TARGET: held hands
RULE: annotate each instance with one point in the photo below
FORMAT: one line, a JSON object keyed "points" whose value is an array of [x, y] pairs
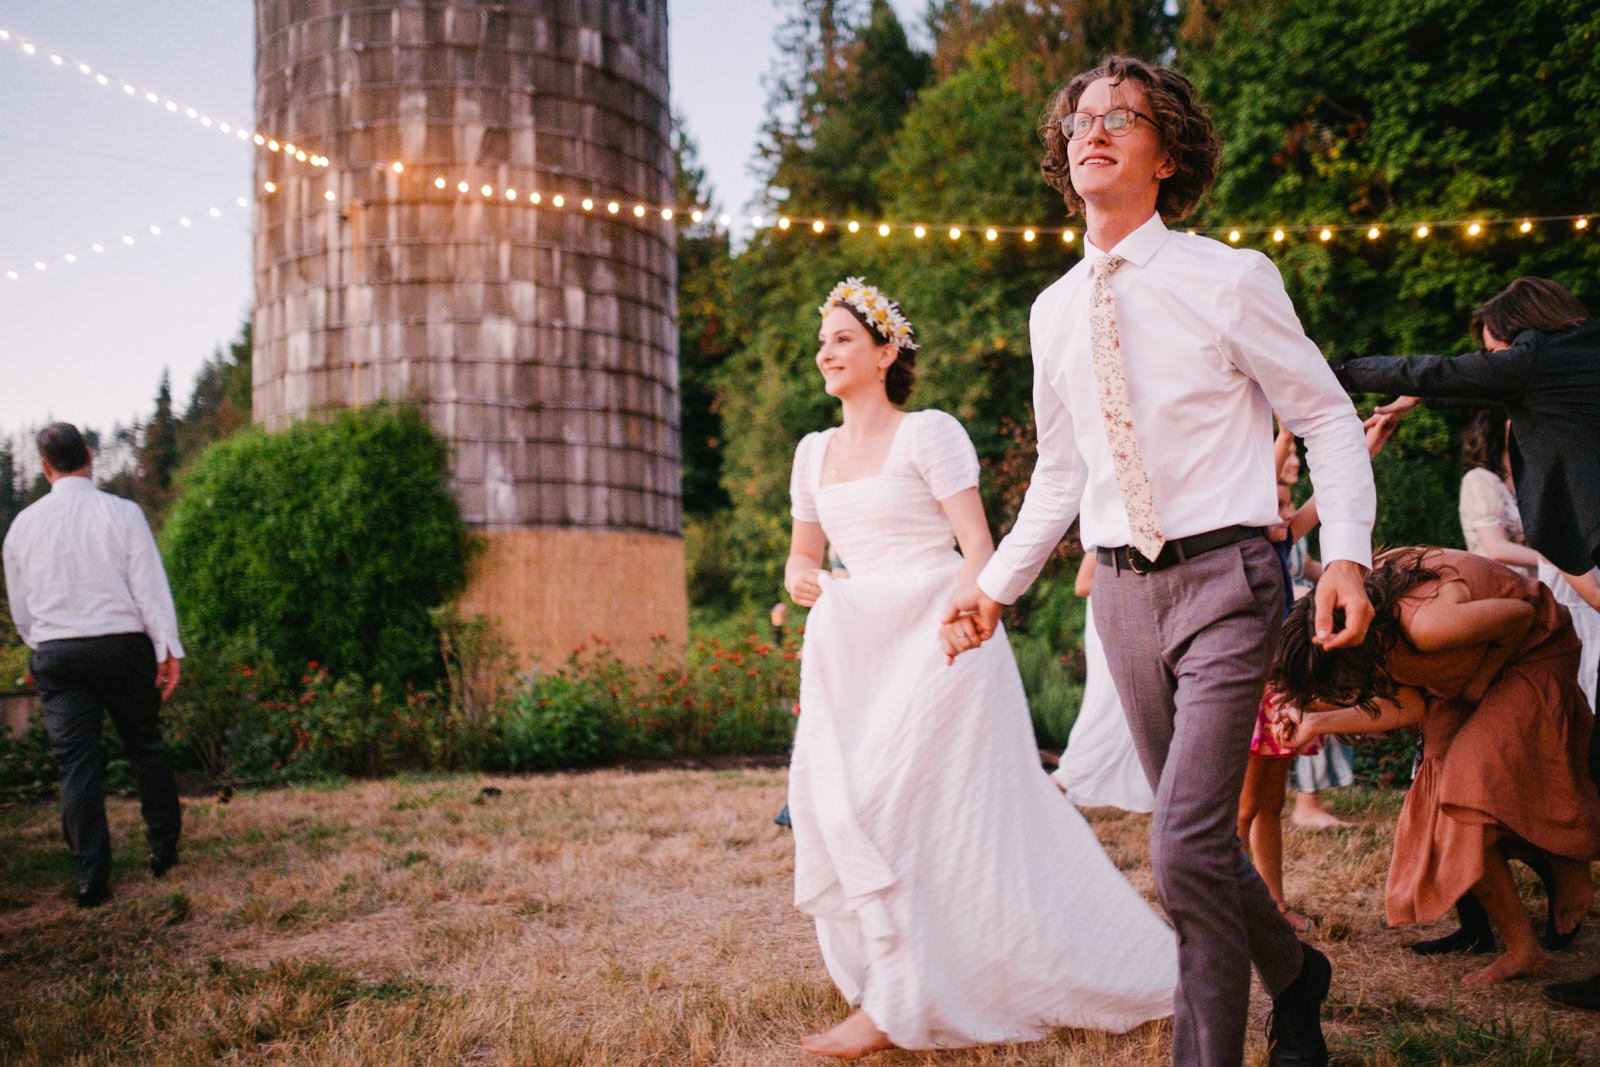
{"points": [[1398, 406], [167, 672], [1380, 426], [972, 620], [1293, 728], [1341, 600]]}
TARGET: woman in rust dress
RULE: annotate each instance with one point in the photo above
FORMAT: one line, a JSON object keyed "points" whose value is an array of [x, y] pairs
{"points": [[1486, 661]]}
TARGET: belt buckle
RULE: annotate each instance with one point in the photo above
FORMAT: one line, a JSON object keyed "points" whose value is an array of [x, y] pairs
{"points": [[1134, 558]]}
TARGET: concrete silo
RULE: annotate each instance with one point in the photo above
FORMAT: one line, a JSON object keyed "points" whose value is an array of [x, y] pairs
{"points": [[536, 333]]}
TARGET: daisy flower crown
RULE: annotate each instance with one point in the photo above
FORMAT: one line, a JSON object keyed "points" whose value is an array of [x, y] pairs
{"points": [[884, 314]]}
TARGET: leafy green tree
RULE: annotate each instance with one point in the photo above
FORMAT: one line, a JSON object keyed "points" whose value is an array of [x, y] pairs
{"points": [[327, 541], [1347, 111]]}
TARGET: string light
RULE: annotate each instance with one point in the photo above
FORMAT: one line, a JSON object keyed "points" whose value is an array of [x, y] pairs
{"points": [[1525, 227], [1474, 229], [1423, 231], [75, 256], [193, 114]]}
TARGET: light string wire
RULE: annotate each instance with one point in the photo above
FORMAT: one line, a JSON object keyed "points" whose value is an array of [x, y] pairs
{"points": [[83, 253], [625, 210], [55, 58]]}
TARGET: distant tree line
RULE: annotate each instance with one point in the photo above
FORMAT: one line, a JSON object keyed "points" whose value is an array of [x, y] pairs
{"points": [[1341, 111]]}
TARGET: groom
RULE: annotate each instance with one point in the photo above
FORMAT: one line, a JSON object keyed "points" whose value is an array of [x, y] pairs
{"points": [[1158, 362]]}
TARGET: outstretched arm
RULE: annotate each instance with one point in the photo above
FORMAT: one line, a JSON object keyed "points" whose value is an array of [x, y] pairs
{"points": [[1497, 375], [1297, 728]]}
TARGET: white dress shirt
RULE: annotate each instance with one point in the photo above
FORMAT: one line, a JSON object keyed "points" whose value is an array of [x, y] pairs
{"points": [[1212, 348], [82, 563]]}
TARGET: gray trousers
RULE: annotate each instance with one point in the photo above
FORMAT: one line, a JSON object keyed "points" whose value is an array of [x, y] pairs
{"points": [[1188, 648], [79, 681]]}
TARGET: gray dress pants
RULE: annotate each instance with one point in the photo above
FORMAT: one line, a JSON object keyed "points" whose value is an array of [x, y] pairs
{"points": [[79, 681], [1188, 648]]}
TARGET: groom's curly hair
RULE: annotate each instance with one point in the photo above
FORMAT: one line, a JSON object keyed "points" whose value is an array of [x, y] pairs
{"points": [[1181, 120]]}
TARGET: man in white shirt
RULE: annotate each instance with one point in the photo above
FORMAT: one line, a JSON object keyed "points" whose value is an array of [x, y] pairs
{"points": [[90, 597], [1158, 363]]}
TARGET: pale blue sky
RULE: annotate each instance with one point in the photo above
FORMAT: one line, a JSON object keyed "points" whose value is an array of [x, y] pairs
{"points": [[82, 163]]}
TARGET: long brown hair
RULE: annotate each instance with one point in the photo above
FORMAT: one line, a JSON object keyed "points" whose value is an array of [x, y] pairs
{"points": [[1528, 304], [1349, 677], [1181, 121]]}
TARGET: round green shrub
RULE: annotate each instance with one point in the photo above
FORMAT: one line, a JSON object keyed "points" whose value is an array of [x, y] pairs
{"points": [[329, 541]]}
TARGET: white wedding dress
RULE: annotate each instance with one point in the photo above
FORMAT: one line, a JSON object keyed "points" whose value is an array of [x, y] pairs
{"points": [[959, 898], [1100, 767]]}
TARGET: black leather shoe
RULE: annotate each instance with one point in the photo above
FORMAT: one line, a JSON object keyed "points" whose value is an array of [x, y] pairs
{"points": [[162, 862], [1475, 934], [1583, 995], [1294, 1030], [94, 894]]}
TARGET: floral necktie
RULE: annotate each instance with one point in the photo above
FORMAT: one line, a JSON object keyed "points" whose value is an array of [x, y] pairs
{"points": [[1117, 412]]}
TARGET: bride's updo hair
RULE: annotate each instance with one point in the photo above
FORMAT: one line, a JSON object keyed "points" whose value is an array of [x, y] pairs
{"points": [[886, 324], [901, 376]]}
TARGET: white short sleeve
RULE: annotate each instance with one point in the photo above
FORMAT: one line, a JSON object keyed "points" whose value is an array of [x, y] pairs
{"points": [[802, 480], [943, 454]]}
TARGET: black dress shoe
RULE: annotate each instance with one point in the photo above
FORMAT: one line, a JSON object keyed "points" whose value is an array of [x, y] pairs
{"points": [[1475, 934], [162, 862], [94, 894], [1584, 995], [1294, 1030]]}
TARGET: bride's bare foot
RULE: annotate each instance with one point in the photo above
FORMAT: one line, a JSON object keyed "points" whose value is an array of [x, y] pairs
{"points": [[1511, 965], [1573, 893], [857, 1036]]}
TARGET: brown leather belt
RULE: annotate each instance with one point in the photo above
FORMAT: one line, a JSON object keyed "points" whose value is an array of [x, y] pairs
{"points": [[1175, 552]]}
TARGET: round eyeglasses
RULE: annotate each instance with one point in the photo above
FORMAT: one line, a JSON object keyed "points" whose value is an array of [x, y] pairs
{"points": [[1118, 122]]}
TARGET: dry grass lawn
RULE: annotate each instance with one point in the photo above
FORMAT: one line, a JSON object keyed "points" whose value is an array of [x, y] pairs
{"points": [[594, 919]]}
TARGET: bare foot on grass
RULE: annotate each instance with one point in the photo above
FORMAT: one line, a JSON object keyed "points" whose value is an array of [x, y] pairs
{"points": [[1316, 819], [857, 1036], [1573, 893], [1503, 969]]}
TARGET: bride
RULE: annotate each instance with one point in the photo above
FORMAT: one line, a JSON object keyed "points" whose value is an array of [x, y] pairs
{"points": [[959, 898]]}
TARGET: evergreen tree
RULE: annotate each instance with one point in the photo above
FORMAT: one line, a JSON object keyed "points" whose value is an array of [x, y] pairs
{"points": [[158, 455], [703, 341], [835, 113]]}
